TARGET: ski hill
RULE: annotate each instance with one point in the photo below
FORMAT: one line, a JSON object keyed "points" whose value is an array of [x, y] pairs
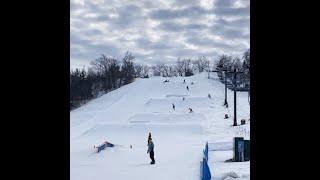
{"points": [[125, 116]]}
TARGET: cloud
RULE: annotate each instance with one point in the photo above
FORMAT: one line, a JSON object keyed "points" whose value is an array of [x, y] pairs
{"points": [[158, 30], [189, 12], [171, 26]]}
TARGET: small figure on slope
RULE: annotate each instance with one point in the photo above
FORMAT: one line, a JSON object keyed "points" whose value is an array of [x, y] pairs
{"points": [[149, 137], [184, 81], [173, 107], [182, 98], [150, 150], [187, 88], [226, 116], [190, 110], [209, 96]]}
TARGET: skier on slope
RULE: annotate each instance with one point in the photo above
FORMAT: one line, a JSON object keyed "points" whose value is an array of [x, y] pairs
{"points": [[209, 96], [150, 150], [184, 81], [188, 88], [173, 107]]}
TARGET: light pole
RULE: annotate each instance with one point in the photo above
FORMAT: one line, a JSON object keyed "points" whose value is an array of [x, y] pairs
{"points": [[235, 97], [225, 88]]}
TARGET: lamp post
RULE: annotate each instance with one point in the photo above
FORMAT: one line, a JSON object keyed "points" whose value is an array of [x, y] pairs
{"points": [[235, 97], [225, 88]]}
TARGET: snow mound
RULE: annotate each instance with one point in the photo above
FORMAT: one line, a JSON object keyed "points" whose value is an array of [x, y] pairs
{"points": [[176, 95], [168, 118], [165, 104]]}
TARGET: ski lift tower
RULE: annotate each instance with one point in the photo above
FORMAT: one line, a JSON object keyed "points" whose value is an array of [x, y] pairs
{"points": [[234, 88], [225, 86], [235, 72]]}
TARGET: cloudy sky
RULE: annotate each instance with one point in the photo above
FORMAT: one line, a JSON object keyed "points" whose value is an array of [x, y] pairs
{"points": [[157, 30]]}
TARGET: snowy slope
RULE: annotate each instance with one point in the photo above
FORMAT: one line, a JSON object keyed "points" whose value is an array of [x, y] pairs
{"points": [[126, 115]]}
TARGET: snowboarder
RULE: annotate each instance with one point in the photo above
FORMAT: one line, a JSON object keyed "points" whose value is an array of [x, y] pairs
{"points": [[209, 96], [190, 110], [174, 107], [150, 150], [188, 88]]}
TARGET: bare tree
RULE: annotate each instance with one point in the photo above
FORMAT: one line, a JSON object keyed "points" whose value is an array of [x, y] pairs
{"points": [[164, 69], [246, 67], [100, 64], [145, 71], [187, 69], [201, 64], [127, 68], [108, 68], [172, 71], [156, 70], [236, 64], [179, 67], [224, 63], [138, 68]]}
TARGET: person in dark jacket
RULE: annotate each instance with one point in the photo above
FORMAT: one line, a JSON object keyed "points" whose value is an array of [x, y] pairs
{"points": [[173, 107], [150, 150], [149, 137]]}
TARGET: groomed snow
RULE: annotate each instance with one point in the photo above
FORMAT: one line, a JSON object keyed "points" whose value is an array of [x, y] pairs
{"points": [[126, 116]]}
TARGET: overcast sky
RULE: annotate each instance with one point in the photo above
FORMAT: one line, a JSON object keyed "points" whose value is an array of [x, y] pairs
{"points": [[157, 30]]}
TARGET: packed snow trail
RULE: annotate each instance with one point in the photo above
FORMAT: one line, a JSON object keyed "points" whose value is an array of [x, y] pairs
{"points": [[126, 116]]}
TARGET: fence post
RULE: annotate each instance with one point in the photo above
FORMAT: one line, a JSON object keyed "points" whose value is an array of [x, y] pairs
{"points": [[201, 170], [204, 168]]}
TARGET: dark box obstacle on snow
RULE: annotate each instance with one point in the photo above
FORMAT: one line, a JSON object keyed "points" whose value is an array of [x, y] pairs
{"points": [[241, 149], [247, 150], [238, 149], [205, 173]]}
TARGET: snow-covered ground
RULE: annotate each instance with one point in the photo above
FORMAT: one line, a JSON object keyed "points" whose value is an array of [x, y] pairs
{"points": [[126, 116]]}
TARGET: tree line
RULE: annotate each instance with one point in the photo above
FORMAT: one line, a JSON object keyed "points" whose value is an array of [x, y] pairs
{"points": [[183, 67], [229, 64], [108, 73], [104, 75]]}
